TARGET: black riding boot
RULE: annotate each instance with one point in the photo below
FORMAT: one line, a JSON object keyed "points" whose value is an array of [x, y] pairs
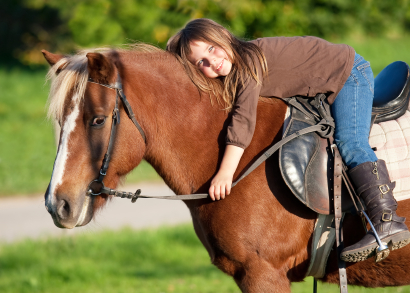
{"points": [[372, 183]]}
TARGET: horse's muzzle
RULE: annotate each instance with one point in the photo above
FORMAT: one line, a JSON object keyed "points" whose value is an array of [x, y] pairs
{"points": [[67, 213]]}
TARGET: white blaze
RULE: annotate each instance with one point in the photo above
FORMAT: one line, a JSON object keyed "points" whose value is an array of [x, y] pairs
{"points": [[62, 155]]}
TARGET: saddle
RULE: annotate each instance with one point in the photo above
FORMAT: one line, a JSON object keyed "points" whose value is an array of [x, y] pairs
{"points": [[306, 162]]}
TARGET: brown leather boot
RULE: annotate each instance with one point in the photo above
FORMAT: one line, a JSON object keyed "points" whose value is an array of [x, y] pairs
{"points": [[372, 183]]}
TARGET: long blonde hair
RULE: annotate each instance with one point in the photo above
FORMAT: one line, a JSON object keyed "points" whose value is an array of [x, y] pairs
{"points": [[244, 57]]}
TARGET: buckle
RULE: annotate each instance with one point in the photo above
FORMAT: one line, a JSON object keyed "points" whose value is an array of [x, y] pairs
{"points": [[389, 218], [384, 188]]}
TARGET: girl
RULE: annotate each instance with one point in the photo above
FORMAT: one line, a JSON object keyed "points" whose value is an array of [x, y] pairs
{"points": [[239, 72]]}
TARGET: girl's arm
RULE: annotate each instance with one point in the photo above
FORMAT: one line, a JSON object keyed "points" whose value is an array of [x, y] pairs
{"points": [[222, 182]]}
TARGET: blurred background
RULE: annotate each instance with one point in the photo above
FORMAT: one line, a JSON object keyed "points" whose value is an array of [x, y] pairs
{"points": [[379, 30]]}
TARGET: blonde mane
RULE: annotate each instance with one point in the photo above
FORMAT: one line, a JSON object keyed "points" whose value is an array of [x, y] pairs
{"points": [[70, 75]]}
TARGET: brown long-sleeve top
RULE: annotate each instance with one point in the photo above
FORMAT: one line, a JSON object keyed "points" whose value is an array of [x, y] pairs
{"points": [[296, 66]]}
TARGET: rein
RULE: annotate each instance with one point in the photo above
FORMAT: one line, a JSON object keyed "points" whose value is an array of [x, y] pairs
{"points": [[97, 187]]}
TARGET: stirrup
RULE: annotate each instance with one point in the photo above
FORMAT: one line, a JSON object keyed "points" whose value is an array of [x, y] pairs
{"points": [[383, 250]]}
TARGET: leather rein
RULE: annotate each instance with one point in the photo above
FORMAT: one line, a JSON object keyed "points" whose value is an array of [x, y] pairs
{"points": [[97, 187]]}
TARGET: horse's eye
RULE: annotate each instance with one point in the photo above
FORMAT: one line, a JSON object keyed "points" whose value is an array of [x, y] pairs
{"points": [[97, 121]]}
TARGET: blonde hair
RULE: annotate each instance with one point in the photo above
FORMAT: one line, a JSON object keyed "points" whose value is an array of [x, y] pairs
{"points": [[244, 57], [70, 75]]}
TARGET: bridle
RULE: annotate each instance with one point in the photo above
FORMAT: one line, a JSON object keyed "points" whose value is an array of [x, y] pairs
{"points": [[117, 86]]}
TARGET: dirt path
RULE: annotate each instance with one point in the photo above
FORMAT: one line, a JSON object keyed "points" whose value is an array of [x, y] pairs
{"points": [[27, 217]]}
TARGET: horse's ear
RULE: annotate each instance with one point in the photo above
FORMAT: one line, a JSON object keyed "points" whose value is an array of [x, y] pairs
{"points": [[52, 58], [100, 68]]}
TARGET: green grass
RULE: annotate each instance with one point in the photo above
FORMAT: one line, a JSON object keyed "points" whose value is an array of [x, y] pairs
{"points": [[27, 147], [380, 52], [164, 260], [169, 259], [26, 142]]}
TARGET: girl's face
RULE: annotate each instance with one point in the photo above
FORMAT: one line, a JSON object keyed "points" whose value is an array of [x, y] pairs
{"points": [[212, 61]]}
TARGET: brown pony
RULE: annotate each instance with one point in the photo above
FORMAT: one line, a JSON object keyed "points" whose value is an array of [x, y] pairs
{"points": [[260, 234]]}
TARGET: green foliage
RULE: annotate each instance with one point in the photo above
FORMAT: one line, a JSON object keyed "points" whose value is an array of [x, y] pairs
{"points": [[25, 29], [63, 25], [169, 259]]}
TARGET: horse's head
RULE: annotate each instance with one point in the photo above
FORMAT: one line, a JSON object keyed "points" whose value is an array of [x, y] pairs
{"points": [[84, 111]]}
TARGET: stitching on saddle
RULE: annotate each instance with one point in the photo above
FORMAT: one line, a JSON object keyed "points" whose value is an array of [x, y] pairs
{"points": [[317, 150]]}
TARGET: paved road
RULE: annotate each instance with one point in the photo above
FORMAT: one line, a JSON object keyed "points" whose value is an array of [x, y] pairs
{"points": [[27, 217]]}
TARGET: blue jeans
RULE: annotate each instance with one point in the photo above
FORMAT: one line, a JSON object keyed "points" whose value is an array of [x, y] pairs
{"points": [[352, 111]]}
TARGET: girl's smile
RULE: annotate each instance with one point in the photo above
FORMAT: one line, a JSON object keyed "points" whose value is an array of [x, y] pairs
{"points": [[212, 61]]}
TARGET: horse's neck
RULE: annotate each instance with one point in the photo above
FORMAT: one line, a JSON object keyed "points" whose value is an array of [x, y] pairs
{"points": [[182, 127]]}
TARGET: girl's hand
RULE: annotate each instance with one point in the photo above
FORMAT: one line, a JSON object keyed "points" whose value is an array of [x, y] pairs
{"points": [[222, 182], [220, 185]]}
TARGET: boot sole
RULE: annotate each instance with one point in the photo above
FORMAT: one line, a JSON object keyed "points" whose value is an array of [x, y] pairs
{"points": [[394, 242]]}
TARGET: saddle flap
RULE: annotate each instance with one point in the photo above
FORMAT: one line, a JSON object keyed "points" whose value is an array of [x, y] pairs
{"points": [[306, 164]]}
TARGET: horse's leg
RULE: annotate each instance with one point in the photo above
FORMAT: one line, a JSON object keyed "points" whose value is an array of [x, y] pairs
{"points": [[258, 276]]}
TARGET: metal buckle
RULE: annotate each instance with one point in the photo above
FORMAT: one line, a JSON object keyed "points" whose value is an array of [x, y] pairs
{"points": [[95, 184], [384, 188], [389, 218]]}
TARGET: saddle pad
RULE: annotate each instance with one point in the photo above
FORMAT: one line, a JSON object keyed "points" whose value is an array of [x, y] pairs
{"points": [[392, 140]]}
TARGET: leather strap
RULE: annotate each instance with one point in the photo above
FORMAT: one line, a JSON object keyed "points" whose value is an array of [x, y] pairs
{"points": [[315, 128], [337, 194], [107, 156], [135, 196], [120, 93], [128, 108], [259, 161]]}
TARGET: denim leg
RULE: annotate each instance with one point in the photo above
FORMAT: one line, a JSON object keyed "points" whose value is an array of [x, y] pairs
{"points": [[352, 111]]}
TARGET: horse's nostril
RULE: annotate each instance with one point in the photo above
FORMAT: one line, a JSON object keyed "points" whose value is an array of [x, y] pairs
{"points": [[63, 209]]}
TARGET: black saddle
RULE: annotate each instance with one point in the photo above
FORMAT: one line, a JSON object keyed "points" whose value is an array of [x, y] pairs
{"points": [[391, 92], [306, 162]]}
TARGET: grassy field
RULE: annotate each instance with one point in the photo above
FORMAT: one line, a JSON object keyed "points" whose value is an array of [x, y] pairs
{"points": [[169, 259], [27, 147]]}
